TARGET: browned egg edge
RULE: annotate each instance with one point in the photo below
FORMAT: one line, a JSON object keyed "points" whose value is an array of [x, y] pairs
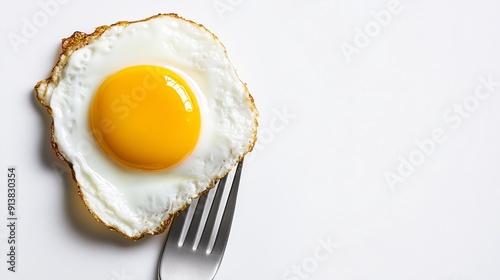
{"points": [[80, 39]]}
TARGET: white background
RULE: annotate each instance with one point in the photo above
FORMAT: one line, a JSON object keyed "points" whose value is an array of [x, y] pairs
{"points": [[333, 125]]}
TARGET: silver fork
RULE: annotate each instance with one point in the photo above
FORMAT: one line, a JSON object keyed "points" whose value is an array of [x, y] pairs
{"points": [[195, 243]]}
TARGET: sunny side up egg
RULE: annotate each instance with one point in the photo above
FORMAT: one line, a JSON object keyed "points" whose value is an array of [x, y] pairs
{"points": [[148, 115]]}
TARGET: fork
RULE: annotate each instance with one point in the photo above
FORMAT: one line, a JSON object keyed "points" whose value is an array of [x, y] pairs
{"points": [[196, 240]]}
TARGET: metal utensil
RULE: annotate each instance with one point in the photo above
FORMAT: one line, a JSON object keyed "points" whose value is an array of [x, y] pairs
{"points": [[197, 238]]}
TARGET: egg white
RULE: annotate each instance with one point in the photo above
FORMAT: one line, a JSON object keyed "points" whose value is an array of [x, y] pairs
{"points": [[134, 202]]}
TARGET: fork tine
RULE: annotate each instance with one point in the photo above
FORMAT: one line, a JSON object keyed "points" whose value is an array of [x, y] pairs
{"points": [[175, 231], [227, 218], [195, 222], [211, 220]]}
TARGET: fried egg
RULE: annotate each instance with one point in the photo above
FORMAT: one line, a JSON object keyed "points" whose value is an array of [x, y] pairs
{"points": [[148, 115]]}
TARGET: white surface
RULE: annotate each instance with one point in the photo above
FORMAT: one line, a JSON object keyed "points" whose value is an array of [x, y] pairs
{"points": [[318, 173]]}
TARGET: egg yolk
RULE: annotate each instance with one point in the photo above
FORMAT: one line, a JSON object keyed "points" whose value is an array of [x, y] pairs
{"points": [[145, 117]]}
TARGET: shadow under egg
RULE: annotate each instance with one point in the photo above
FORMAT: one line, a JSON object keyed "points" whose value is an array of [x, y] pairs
{"points": [[47, 154]]}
